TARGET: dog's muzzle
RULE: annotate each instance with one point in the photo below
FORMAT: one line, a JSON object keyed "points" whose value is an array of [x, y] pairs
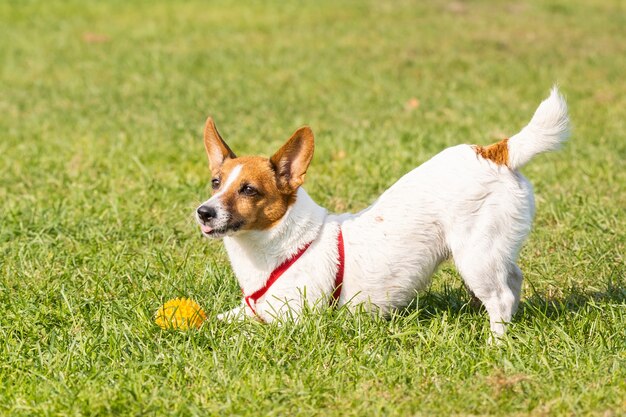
{"points": [[216, 223], [207, 218]]}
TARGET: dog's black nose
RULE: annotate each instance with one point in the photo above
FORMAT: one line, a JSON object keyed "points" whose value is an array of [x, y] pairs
{"points": [[206, 213]]}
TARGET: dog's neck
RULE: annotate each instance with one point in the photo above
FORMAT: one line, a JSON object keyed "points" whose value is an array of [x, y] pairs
{"points": [[254, 254]]}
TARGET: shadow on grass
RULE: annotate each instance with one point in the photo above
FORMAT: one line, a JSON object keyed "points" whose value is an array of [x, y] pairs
{"points": [[575, 299], [457, 301]]}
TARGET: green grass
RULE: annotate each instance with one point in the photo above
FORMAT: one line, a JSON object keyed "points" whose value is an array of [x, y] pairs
{"points": [[101, 165]]}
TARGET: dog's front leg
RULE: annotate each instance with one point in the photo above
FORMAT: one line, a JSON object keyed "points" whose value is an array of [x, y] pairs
{"points": [[276, 310], [240, 313], [236, 314], [267, 312]]}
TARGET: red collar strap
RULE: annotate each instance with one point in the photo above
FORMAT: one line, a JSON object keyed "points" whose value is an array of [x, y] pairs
{"points": [[282, 268]]}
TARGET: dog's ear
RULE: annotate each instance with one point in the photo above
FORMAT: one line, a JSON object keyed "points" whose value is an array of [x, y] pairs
{"points": [[293, 159], [216, 149]]}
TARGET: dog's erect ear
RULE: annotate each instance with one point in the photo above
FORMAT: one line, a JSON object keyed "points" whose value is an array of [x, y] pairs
{"points": [[293, 158], [216, 149]]}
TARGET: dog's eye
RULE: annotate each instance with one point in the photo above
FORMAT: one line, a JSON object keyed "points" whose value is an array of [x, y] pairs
{"points": [[215, 183], [249, 190]]}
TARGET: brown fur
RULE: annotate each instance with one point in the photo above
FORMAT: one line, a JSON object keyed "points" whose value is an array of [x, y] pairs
{"points": [[217, 150], [498, 152], [261, 211], [276, 179]]}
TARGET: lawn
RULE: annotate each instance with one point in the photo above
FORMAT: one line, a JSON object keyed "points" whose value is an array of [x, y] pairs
{"points": [[102, 164]]}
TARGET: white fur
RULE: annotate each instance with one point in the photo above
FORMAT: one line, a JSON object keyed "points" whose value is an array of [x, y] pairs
{"points": [[548, 128], [456, 204]]}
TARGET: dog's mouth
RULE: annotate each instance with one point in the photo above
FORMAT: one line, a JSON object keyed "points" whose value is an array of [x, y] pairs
{"points": [[218, 232]]}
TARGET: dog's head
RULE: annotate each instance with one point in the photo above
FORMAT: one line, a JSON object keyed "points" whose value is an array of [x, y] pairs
{"points": [[251, 192]]}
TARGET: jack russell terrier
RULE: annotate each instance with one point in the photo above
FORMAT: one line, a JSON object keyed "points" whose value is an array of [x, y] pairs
{"points": [[469, 202]]}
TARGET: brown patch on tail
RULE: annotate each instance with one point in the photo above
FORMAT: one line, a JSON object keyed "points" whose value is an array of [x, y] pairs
{"points": [[498, 152]]}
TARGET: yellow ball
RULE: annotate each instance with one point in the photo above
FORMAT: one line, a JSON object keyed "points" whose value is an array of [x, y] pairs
{"points": [[180, 313]]}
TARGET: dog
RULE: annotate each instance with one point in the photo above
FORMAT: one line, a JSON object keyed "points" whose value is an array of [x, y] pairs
{"points": [[469, 203]]}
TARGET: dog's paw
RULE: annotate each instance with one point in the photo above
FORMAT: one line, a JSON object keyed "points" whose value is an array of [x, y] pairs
{"points": [[236, 314]]}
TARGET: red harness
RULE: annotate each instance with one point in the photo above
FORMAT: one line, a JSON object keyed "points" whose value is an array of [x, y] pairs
{"points": [[282, 268]]}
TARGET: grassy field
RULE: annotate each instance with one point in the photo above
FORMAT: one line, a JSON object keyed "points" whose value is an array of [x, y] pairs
{"points": [[101, 165]]}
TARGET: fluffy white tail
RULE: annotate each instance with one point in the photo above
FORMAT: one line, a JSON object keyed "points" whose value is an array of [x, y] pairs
{"points": [[548, 128]]}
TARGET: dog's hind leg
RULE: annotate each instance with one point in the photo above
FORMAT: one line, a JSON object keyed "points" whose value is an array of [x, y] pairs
{"points": [[493, 277], [485, 245], [498, 287]]}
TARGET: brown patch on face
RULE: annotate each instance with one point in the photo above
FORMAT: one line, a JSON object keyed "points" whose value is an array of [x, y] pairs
{"points": [[498, 152], [253, 198]]}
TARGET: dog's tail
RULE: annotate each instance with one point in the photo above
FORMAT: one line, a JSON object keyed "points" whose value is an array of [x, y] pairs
{"points": [[548, 128]]}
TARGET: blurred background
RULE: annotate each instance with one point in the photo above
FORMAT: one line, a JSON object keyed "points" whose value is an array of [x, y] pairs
{"points": [[102, 106]]}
